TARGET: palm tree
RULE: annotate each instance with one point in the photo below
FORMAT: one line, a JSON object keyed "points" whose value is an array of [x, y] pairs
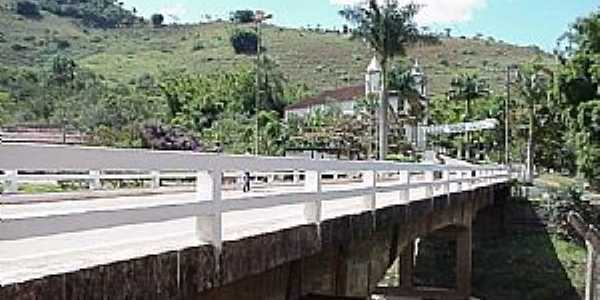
{"points": [[468, 87], [533, 87], [63, 74], [388, 29]]}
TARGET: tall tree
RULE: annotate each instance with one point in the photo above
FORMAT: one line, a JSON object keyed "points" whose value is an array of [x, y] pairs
{"points": [[63, 74], [533, 87], [468, 87], [388, 29]]}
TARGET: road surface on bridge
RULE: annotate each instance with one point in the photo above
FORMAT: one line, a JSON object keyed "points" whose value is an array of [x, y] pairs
{"points": [[32, 258]]}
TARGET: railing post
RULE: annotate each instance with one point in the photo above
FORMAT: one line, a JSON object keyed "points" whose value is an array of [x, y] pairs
{"points": [[467, 180], [296, 177], [590, 278], [446, 180], [95, 182], [155, 175], [270, 178], [208, 188], [11, 182], [429, 178], [404, 177], [369, 180], [312, 184]]}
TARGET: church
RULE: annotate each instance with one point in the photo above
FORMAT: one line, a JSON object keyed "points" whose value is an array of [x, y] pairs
{"points": [[346, 98]]}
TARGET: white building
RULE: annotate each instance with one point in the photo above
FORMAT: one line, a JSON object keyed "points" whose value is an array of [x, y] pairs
{"points": [[346, 98]]}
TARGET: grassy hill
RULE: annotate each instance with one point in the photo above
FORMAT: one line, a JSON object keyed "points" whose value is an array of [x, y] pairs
{"points": [[320, 60]]}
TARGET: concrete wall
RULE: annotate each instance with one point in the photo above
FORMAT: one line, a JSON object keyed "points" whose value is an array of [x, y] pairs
{"points": [[346, 256]]}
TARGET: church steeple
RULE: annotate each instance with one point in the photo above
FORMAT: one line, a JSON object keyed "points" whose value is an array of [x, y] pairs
{"points": [[373, 82]]}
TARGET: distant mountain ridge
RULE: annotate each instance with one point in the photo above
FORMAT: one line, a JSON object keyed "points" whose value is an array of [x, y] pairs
{"points": [[318, 60]]}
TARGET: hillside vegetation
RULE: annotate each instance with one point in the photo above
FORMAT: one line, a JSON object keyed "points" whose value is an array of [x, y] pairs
{"points": [[319, 60]]}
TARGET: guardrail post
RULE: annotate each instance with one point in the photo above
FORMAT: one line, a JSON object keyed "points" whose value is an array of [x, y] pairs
{"points": [[11, 182], [95, 182], [208, 188], [404, 177], [296, 177], [312, 184], [155, 179], [369, 180]]}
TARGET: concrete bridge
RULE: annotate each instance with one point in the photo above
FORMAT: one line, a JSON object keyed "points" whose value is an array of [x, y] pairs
{"points": [[308, 239]]}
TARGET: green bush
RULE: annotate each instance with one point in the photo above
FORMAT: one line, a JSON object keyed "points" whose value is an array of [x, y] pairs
{"points": [[198, 45], [588, 142], [18, 47], [101, 14], [28, 8], [242, 16], [157, 20], [62, 44], [244, 42]]}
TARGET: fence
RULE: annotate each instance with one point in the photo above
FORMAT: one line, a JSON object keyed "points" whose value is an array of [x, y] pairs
{"points": [[209, 170], [591, 235]]}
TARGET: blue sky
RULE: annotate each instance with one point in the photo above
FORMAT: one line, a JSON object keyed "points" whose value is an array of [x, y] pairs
{"points": [[523, 22]]}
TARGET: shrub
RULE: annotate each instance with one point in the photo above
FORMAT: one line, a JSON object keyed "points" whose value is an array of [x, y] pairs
{"points": [[242, 16], [62, 44], [28, 8], [96, 39], [18, 47], [166, 137], [157, 20], [244, 42], [198, 45]]}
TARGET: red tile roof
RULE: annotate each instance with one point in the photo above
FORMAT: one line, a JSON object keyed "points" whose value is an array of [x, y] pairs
{"points": [[331, 96]]}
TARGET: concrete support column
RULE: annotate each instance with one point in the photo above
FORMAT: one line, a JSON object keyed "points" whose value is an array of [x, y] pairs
{"points": [[407, 267], [95, 182], [464, 261]]}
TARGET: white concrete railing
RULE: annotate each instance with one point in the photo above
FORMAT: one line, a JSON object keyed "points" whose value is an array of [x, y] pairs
{"points": [[209, 169], [12, 180]]}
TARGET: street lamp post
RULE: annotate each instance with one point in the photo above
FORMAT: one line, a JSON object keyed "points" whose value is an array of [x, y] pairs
{"points": [[259, 17], [374, 80], [509, 82]]}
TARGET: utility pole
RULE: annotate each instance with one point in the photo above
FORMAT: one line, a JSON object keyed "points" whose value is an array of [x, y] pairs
{"points": [[259, 17], [507, 117]]}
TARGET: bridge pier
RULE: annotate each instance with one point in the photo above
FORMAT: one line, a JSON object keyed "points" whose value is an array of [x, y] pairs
{"points": [[462, 235]]}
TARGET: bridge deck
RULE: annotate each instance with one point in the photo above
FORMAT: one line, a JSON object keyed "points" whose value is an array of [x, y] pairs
{"points": [[32, 258]]}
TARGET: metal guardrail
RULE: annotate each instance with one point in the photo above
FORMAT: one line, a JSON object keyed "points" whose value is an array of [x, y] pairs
{"points": [[209, 170]]}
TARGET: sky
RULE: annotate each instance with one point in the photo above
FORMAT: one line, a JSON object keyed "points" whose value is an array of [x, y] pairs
{"points": [[521, 22]]}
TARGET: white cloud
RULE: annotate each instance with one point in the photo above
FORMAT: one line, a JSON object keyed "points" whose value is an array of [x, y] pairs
{"points": [[436, 11], [173, 12]]}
